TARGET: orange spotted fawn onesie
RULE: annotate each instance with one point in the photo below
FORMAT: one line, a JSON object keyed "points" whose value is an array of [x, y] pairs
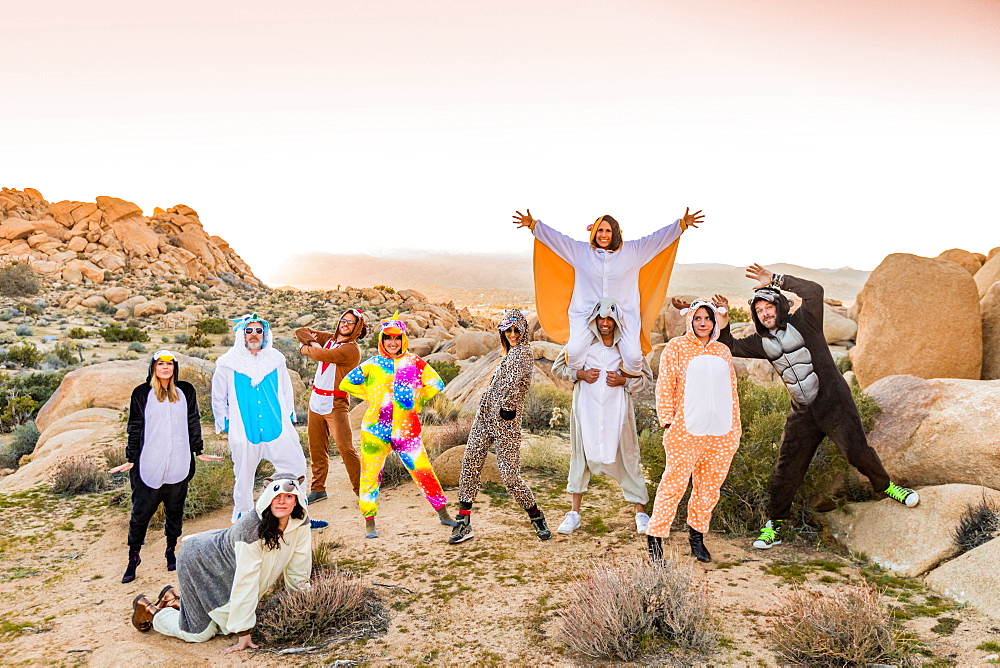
{"points": [[696, 398]]}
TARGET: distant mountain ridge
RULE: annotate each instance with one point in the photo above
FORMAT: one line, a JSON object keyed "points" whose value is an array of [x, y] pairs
{"points": [[494, 279]]}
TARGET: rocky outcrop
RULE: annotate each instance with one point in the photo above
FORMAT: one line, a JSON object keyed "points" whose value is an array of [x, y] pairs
{"points": [[468, 387], [79, 241], [933, 432], [875, 528], [920, 316], [837, 326], [968, 261], [448, 467], [989, 307], [474, 344], [988, 275], [971, 578]]}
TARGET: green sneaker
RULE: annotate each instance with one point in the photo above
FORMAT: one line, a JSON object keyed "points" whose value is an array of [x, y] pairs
{"points": [[770, 535], [904, 495]]}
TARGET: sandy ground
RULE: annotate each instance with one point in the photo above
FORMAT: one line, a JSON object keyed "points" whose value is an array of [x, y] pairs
{"points": [[493, 600]]}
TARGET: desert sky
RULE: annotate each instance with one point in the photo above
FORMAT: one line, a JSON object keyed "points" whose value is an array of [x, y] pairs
{"points": [[821, 133]]}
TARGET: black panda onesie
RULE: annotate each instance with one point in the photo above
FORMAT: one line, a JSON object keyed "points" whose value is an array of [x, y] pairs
{"points": [[822, 404]]}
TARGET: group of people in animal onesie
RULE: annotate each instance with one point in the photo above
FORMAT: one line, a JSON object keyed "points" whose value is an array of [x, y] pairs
{"points": [[600, 298]]}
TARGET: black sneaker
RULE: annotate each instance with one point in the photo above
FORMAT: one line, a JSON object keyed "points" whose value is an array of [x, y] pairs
{"points": [[541, 528], [462, 531]]}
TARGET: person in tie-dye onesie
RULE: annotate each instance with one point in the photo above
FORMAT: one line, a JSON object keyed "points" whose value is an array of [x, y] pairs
{"points": [[396, 384]]}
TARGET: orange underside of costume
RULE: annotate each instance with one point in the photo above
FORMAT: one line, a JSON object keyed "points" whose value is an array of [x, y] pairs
{"points": [[554, 279]]}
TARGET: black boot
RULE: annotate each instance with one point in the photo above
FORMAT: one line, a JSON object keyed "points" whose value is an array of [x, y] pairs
{"points": [[133, 563], [698, 549], [655, 544], [170, 555]]}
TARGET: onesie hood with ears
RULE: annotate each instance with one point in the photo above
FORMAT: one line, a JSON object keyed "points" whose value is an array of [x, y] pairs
{"points": [[513, 319], [773, 296], [360, 327], [689, 312], [606, 308], [240, 334], [281, 483], [395, 327]]}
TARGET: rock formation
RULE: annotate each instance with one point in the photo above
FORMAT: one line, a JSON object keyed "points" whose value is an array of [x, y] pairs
{"points": [[79, 241]]}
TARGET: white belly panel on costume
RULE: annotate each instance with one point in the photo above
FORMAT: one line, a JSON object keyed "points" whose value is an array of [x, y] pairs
{"points": [[708, 397], [601, 409]]}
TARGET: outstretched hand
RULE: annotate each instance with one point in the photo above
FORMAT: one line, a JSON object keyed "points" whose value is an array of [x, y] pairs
{"points": [[760, 274], [523, 219], [679, 304], [693, 219], [119, 469], [721, 302], [244, 643]]}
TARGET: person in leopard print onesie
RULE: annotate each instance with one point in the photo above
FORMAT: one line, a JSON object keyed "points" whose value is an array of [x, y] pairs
{"points": [[498, 422]]}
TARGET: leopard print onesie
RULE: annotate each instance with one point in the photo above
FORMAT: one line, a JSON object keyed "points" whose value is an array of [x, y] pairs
{"points": [[506, 391]]}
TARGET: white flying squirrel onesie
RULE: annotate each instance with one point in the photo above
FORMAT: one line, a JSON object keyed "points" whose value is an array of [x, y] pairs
{"points": [[252, 401]]}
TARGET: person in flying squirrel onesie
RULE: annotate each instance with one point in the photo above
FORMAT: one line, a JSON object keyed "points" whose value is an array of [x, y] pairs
{"points": [[252, 402], [571, 276], [699, 409], [397, 385], [498, 423], [822, 404], [224, 573]]}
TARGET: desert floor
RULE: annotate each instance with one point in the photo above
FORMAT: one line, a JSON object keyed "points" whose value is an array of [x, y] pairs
{"points": [[493, 600]]}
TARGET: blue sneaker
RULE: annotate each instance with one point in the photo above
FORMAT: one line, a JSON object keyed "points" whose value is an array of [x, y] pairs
{"points": [[318, 524]]}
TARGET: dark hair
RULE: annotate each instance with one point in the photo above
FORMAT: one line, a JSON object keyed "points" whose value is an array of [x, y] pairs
{"points": [[711, 313], [616, 233], [269, 530]]}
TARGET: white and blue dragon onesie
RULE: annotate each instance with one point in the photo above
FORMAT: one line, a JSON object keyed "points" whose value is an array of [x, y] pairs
{"points": [[252, 401]]}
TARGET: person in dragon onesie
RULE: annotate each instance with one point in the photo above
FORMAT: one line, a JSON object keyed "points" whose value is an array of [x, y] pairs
{"points": [[397, 385], [224, 573], [498, 423], [699, 410]]}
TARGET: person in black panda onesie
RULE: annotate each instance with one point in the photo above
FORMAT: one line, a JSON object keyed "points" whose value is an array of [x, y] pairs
{"points": [[822, 405]]}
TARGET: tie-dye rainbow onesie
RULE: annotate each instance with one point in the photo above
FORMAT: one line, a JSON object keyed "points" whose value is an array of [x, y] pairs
{"points": [[396, 390]]}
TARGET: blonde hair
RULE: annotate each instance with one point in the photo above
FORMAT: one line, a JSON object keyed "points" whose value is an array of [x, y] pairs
{"points": [[168, 392]]}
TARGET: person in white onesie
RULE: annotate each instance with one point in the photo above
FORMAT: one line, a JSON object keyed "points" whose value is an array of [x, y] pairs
{"points": [[607, 267], [252, 401]]}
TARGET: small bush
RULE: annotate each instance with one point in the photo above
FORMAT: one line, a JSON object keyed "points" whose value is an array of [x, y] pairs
{"points": [[22, 442], [23, 330], [385, 288], [17, 279], [227, 339], [541, 404], [540, 456], [843, 364], [845, 627], [107, 308], [738, 314], [181, 338], [114, 455], [198, 340], [24, 355], [21, 396], [136, 347], [978, 525], [450, 436], [213, 326], [78, 333], [624, 609], [440, 410], [447, 370], [114, 333], [337, 605], [79, 475], [65, 353], [324, 558]]}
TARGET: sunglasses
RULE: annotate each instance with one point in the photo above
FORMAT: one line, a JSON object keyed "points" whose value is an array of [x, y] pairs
{"points": [[254, 330]]}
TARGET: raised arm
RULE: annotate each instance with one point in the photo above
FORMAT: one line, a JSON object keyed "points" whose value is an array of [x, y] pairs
{"points": [[565, 247], [810, 292]]}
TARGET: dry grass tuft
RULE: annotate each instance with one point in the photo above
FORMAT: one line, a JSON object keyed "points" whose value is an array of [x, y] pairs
{"points": [[543, 456], [324, 559], [979, 524], [394, 473], [337, 606], [845, 627], [625, 609], [440, 410], [79, 475], [455, 434]]}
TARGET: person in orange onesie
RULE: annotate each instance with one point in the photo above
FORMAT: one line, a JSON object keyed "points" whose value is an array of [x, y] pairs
{"points": [[699, 409]]}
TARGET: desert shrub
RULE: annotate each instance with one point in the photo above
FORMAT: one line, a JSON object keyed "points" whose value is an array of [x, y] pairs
{"points": [[540, 456], [394, 473], [845, 627], [211, 309], [738, 314], [17, 279], [621, 610], [24, 355], [385, 288], [181, 338], [324, 558], [645, 417], [78, 475], [65, 353], [654, 460], [440, 410], [114, 455], [17, 411], [213, 326], [450, 436], [22, 442], [978, 525], [198, 340], [447, 370], [23, 330], [114, 333], [136, 347], [227, 339], [843, 364], [107, 308], [173, 307], [542, 403], [337, 606]]}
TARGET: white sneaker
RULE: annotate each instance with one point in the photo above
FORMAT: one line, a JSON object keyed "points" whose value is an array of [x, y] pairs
{"points": [[571, 523], [641, 522]]}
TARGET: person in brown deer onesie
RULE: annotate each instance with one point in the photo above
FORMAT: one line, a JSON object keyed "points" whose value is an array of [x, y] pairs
{"points": [[337, 353]]}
